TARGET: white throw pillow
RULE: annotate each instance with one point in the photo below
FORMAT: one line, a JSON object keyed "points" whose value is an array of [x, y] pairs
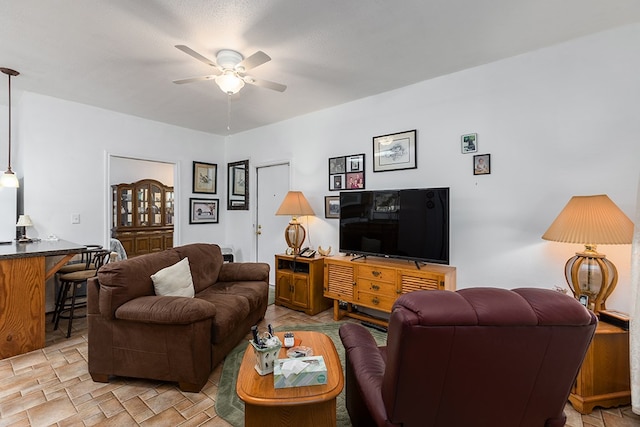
{"points": [[174, 280]]}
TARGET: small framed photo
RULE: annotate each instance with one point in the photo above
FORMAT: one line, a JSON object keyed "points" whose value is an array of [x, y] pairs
{"points": [[584, 300], [332, 206], [204, 177], [469, 143], [396, 151], [346, 172], [482, 164], [203, 211]]}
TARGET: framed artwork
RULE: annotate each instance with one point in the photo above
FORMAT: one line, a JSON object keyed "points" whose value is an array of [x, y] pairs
{"points": [[238, 186], [203, 211], [482, 164], [469, 143], [332, 206], [239, 175], [346, 172], [204, 177], [394, 152]]}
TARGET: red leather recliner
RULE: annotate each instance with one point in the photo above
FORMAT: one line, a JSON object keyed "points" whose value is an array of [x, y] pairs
{"points": [[475, 357]]}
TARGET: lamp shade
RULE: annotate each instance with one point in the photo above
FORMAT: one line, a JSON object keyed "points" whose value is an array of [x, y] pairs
{"points": [[295, 204], [9, 180], [594, 220], [24, 221]]}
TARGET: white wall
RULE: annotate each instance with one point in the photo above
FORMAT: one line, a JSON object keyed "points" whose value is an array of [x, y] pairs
{"points": [[63, 155], [123, 170], [557, 122]]}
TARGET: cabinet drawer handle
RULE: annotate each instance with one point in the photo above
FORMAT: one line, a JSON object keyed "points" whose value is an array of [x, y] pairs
{"points": [[376, 273], [376, 301], [375, 287]]}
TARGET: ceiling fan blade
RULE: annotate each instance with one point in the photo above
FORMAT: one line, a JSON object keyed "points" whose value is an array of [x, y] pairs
{"points": [[265, 83], [196, 55], [194, 79], [254, 60]]}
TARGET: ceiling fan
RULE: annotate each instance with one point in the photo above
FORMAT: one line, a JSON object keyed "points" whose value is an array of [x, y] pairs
{"points": [[230, 68]]}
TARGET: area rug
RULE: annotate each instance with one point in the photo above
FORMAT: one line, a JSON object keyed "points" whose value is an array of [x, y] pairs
{"points": [[231, 408], [272, 295]]}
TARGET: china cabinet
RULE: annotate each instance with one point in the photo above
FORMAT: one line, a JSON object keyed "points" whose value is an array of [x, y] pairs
{"points": [[143, 216]]}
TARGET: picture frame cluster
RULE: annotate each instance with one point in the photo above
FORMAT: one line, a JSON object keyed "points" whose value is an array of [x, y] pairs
{"points": [[205, 181], [346, 172]]}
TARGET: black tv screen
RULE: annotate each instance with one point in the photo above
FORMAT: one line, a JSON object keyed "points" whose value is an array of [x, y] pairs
{"points": [[411, 224]]}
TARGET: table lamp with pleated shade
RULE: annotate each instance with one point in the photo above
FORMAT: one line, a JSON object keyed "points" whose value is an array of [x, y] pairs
{"points": [[295, 204], [591, 220]]}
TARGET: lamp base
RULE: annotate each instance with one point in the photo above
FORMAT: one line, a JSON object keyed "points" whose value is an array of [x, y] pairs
{"points": [[592, 278], [294, 235]]}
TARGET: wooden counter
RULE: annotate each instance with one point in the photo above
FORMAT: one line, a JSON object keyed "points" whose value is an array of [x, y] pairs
{"points": [[22, 292]]}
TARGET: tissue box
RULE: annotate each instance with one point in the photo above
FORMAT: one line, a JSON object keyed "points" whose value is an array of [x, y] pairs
{"points": [[314, 374]]}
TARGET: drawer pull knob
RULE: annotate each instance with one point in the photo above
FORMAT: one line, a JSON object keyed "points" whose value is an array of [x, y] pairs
{"points": [[376, 301], [376, 273], [375, 287]]}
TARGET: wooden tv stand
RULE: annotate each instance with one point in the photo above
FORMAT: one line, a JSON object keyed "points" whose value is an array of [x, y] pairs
{"points": [[377, 282]]}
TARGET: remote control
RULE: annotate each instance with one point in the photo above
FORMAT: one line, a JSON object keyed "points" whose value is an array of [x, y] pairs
{"points": [[288, 339]]}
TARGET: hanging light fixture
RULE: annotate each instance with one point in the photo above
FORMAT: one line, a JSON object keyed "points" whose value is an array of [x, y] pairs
{"points": [[8, 178]]}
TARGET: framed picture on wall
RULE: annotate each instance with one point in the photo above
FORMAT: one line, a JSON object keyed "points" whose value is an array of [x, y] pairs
{"points": [[203, 211], [332, 206], [204, 177], [469, 143], [482, 164], [346, 172], [395, 151]]}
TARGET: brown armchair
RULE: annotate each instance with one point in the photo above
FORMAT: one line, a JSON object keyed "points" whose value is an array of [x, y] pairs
{"points": [[475, 357]]}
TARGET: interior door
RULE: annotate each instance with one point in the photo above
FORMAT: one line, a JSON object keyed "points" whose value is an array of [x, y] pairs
{"points": [[272, 184]]}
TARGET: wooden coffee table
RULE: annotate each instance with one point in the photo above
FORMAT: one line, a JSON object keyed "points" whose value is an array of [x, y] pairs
{"points": [[296, 406]]}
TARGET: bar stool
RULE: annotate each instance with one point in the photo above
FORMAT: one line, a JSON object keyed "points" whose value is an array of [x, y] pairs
{"points": [[84, 263], [71, 296]]}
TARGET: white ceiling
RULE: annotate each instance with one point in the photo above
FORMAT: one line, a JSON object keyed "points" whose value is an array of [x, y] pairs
{"points": [[120, 54]]}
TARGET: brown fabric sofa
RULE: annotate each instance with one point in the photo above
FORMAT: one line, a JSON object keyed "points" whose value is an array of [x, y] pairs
{"points": [[476, 357], [135, 333]]}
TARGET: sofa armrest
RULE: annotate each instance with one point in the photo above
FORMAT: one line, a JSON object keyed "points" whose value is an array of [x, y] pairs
{"points": [[244, 271], [367, 365], [166, 310]]}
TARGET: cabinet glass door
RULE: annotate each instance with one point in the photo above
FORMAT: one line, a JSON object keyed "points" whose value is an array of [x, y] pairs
{"points": [[126, 208], [156, 205], [143, 205], [168, 219]]}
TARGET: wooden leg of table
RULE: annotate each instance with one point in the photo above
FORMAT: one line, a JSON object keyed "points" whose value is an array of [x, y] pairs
{"points": [[317, 414], [336, 310]]}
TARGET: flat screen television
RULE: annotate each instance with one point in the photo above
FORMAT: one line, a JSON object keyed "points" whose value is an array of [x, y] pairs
{"points": [[410, 224]]}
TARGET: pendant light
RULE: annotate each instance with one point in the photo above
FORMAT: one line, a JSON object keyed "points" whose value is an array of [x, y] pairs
{"points": [[8, 178]]}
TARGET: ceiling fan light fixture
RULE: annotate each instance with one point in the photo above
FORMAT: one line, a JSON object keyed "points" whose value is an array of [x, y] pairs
{"points": [[229, 82]]}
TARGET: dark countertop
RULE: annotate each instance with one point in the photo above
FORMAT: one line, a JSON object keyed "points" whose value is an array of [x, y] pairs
{"points": [[41, 248]]}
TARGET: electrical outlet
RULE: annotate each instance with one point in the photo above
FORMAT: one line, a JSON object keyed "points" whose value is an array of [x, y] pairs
{"points": [[75, 218]]}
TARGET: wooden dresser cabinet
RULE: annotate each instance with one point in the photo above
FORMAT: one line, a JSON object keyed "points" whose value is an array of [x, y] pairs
{"points": [[143, 215], [299, 284], [376, 283]]}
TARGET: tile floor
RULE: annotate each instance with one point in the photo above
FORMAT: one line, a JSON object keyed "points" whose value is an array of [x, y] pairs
{"points": [[51, 387]]}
